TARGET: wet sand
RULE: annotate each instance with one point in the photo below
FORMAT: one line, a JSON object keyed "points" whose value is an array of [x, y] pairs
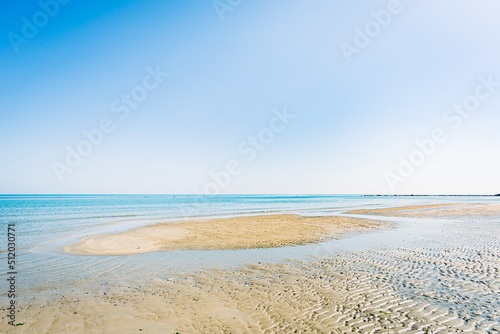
{"points": [[433, 288], [448, 283], [221, 234]]}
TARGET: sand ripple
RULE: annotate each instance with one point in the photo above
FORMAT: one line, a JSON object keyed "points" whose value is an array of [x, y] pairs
{"points": [[445, 284]]}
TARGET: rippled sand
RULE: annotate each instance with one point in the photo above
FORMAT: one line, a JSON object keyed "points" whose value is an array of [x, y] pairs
{"points": [[447, 284], [222, 233]]}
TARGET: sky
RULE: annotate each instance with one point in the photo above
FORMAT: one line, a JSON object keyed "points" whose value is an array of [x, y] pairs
{"points": [[240, 97]]}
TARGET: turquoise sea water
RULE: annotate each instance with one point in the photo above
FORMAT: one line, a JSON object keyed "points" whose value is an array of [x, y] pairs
{"points": [[44, 223]]}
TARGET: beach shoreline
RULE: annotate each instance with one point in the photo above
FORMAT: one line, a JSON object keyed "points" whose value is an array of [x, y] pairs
{"points": [[442, 282]]}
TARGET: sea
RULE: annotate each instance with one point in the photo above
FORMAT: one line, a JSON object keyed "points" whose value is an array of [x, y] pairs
{"points": [[43, 224]]}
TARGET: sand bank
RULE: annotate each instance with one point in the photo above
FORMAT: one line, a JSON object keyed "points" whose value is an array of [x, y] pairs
{"points": [[401, 208], [436, 210], [222, 233]]}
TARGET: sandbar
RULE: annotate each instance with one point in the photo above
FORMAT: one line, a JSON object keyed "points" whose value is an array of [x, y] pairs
{"points": [[245, 232], [452, 210]]}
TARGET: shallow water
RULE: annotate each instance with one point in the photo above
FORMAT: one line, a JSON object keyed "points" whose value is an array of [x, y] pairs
{"points": [[44, 223]]}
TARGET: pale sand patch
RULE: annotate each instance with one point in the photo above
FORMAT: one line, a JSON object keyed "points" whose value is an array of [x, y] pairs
{"points": [[437, 211], [222, 233], [401, 208]]}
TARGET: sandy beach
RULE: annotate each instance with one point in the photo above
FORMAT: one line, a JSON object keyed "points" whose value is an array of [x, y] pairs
{"points": [[250, 167], [222, 234], [448, 283]]}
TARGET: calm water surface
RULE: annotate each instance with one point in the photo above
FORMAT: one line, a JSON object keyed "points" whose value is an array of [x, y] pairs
{"points": [[44, 223]]}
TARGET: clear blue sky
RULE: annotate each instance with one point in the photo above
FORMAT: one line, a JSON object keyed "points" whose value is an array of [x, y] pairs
{"points": [[352, 120]]}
